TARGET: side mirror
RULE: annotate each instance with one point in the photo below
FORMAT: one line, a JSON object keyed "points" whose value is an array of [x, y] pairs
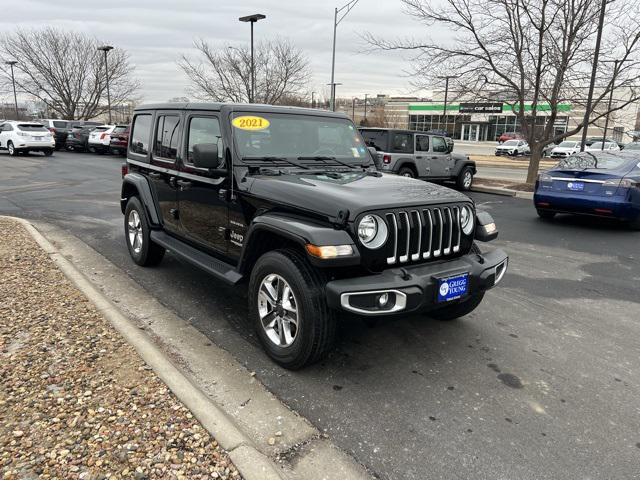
{"points": [[205, 155]]}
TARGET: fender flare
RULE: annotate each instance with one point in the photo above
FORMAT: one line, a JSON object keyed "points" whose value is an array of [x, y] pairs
{"points": [[139, 183], [461, 163], [300, 231]]}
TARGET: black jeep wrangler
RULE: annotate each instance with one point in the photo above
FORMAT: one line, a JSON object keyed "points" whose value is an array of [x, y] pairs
{"points": [[288, 201]]}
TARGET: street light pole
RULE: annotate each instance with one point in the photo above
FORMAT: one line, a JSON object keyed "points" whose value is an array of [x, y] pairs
{"points": [[613, 85], [11, 63], [313, 102], [337, 11], [594, 69], [365, 107], [252, 19], [106, 49]]}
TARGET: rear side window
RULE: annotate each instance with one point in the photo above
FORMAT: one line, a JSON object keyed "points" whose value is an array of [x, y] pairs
{"points": [[439, 145], [141, 131], [204, 130], [166, 141], [422, 143], [7, 127], [402, 143], [378, 139]]}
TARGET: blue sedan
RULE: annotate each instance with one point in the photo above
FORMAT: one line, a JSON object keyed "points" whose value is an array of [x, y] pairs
{"points": [[604, 184]]}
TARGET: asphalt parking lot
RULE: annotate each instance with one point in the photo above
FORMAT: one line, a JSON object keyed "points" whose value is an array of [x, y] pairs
{"points": [[541, 381]]}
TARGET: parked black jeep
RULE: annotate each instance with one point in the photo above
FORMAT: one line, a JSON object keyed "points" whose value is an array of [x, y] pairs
{"points": [[288, 202]]}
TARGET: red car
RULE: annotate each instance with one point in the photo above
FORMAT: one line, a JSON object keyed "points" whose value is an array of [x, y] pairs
{"points": [[119, 140], [510, 136]]}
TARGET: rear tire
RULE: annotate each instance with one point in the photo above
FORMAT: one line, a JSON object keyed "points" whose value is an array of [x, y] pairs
{"points": [[312, 334], [407, 172], [545, 215], [459, 309], [465, 179], [137, 234], [48, 152]]}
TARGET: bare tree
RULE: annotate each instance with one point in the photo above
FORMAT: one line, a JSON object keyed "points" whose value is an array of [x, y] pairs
{"points": [[224, 73], [65, 71], [526, 53]]}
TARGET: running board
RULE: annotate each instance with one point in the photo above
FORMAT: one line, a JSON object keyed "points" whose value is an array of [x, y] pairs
{"points": [[219, 269]]}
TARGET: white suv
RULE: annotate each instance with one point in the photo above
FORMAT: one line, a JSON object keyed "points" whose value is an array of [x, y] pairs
{"points": [[100, 138], [25, 137]]}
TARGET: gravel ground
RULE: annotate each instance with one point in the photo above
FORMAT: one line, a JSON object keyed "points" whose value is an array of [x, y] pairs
{"points": [[76, 401]]}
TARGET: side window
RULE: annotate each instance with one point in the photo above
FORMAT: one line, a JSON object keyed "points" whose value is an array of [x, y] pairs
{"points": [[402, 143], [166, 141], [204, 130], [439, 145], [422, 143], [140, 133]]}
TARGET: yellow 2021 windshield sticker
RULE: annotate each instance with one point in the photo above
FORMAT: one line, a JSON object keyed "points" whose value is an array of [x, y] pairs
{"points": [[250, 122]]}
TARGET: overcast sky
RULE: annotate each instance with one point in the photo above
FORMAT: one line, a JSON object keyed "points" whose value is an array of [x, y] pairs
{"points": [[157, 32]]}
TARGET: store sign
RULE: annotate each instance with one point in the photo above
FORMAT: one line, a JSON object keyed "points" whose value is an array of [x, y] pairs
{"points": [[480, 108]]}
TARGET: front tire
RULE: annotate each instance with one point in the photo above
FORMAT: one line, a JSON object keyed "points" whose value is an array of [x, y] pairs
{"points": [[288, 309], [138, 235], [12, 149], [465, 179], [458, 310], [48, 152]]}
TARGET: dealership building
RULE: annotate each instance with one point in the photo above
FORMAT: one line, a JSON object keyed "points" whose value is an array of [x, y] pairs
{"points": [[486, 121]]}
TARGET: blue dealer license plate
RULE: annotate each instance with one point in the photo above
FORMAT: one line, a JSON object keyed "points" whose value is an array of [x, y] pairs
{"points": [[576, 186], [452, 288]]}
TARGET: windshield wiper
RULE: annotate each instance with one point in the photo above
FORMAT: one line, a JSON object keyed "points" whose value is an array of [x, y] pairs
{"points": [[267, 158], [325, 159]]}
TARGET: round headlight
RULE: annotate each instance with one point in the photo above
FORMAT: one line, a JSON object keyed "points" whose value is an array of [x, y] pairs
{"points": [[466, 220], [372, 231]]}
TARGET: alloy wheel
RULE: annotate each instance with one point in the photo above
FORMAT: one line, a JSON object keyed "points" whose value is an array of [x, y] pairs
{"points": [[467, 179], [135, 231], [278, 310]]}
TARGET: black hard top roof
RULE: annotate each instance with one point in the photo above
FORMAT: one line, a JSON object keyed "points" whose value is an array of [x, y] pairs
{"points": [[397, 130], [240, 107]]}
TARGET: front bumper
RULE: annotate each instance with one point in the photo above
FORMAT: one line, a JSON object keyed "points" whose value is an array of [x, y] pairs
{"points": [[415, 288]]}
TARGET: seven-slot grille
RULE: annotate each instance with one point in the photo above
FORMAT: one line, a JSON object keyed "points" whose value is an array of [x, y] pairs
{"points": [[423, 233]]}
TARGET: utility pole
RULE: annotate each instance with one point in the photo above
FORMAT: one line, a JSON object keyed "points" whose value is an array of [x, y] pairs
{"points": [[613, 86], [106, 49], [353, 109], [252, 19], [313, 102], [337, 12], [594, 70], [11, 63]]}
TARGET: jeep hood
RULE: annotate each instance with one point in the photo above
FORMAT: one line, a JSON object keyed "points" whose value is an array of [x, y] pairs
{"points": [[357, 192]]}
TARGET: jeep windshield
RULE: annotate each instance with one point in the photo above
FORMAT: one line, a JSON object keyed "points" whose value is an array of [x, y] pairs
{"points": [[298, 139]]}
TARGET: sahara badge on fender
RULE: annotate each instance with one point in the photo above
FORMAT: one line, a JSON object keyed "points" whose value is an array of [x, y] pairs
{"points": [[249, 122]]}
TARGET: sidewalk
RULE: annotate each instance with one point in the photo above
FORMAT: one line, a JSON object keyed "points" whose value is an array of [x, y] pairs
{"points": [[76, 400]]}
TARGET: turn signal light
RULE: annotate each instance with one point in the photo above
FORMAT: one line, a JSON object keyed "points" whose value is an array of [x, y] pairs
{"points": [[329, 251], [124, 169]]}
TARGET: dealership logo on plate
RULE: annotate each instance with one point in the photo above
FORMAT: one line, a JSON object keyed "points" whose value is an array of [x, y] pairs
{"points": [[444, 289]]}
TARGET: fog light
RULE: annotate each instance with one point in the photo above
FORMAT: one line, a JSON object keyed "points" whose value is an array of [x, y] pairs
{"points": [[383, 300]]}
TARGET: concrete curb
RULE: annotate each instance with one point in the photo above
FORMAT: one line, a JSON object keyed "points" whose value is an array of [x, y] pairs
{"points": [[252, 464], [502, 191]]}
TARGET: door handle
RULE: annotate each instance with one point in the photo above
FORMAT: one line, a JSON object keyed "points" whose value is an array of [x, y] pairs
{"points": [[434, 158], [155, 175], [419, 158]]}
